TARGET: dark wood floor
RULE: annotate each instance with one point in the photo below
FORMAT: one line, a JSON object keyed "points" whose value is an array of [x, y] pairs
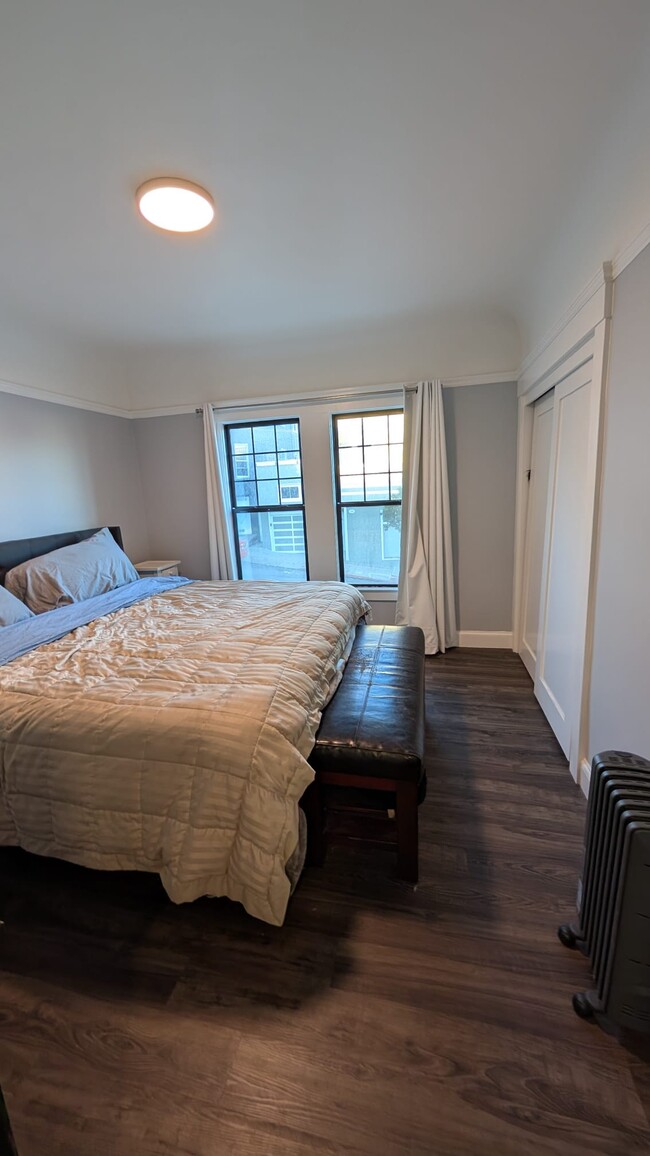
{"points": [[379, 1020]]}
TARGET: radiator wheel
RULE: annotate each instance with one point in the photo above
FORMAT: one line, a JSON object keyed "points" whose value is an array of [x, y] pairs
{"points": [[566, 935], [582, 1006]]}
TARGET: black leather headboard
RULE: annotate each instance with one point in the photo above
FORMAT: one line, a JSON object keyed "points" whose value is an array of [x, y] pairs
{"points": [[13, 553]]}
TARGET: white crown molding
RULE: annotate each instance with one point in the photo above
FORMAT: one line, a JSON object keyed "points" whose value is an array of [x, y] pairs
{"points": [[504, 378], [626, 255], [597, 284], [37, 394], [165, 410], [343, 394], [603, 278], [572, 331], [486, 639]]}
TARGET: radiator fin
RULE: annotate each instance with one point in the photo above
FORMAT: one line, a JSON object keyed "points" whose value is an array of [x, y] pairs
{"points": [[614, 893]]}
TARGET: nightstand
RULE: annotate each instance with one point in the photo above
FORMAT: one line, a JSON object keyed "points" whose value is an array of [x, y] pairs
{"points": [[157, 568]]}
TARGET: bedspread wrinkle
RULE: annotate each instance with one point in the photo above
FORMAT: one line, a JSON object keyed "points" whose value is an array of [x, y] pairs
{"points": [[173, 735]]}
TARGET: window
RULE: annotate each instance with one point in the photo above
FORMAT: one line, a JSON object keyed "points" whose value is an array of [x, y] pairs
{"points": [[368, 452], [348, 524], [266, 493]]}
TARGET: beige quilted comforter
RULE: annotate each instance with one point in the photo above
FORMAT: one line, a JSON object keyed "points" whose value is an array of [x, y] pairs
{"points": [[172, 736]]}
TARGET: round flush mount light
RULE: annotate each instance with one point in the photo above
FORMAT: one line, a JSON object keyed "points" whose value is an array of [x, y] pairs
{"points": [[175, 205]]}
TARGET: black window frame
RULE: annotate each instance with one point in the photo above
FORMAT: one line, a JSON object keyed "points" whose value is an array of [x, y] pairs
{"points": [[291, 507], [340, 504]]}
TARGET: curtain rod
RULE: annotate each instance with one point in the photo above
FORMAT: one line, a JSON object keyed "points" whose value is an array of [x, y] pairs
{"points": [[312, 399]]}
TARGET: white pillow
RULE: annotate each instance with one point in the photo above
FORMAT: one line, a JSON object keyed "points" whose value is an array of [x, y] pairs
{"points": [[72, 573], [12, 609]]}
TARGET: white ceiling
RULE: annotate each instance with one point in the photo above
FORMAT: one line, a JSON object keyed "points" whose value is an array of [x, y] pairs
{"points": [[371, 160]]}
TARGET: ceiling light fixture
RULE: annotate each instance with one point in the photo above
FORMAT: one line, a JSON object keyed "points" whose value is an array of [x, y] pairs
{"points": [[175, 205]]}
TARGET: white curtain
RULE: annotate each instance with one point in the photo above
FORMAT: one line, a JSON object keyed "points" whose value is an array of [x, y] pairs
{"points": [[425, 595], [222, 565]]}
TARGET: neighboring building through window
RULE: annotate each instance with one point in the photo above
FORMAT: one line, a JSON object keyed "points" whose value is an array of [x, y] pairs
{"points": [[265, 472], [368, 453]]}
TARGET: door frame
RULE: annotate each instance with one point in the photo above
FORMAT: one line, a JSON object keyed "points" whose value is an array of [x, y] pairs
{"points": [[524, 651], [584, 336], [566, 714]]}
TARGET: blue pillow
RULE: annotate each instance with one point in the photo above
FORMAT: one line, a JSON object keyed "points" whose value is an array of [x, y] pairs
{"points": [[72, 573], [12, 609]]}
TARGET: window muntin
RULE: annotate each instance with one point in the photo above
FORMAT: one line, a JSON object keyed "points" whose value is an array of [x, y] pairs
{"points": [[267, 500], [368, 455]]}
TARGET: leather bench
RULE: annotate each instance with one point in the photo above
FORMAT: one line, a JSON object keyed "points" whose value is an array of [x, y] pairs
{"points": [[371, 738]]}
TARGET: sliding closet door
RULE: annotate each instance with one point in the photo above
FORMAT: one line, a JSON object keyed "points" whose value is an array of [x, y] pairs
{"points": [[535, 524], [565, 570]]}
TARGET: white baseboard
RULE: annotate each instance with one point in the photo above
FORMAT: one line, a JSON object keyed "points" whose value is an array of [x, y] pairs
{"points": [[584, 777], [488, 639]]}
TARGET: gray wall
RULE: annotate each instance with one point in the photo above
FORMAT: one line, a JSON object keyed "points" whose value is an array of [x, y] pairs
{"points": [[620, 699], [481, 428], [172, 466], [63, 468]]}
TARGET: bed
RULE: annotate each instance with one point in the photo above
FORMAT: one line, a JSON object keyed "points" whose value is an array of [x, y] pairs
{"points": [[166, 727]]}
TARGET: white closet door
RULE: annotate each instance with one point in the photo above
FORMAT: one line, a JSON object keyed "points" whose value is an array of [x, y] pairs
{"points": [[535, 525], [565, 569]]}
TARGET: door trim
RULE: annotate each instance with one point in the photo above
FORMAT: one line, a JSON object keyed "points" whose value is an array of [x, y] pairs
{"points": [[568, 712], [586, 338], [525, 653]]}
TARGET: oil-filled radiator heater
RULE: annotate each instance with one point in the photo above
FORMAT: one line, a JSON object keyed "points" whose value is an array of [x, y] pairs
{"points": [[613, 927]]}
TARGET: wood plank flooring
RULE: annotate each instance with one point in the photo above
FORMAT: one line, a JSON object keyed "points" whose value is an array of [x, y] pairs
{"points": [[379, 1020]]}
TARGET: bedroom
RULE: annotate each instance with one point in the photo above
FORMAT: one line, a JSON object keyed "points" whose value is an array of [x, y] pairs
{"points": [[445, 192]]}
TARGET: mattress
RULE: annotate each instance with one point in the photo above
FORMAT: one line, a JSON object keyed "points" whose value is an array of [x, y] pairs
{"points": [[172, 735]]}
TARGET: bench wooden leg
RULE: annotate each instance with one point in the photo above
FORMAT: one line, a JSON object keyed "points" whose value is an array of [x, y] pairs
{"points": [[406, 816], [312, 805]]}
